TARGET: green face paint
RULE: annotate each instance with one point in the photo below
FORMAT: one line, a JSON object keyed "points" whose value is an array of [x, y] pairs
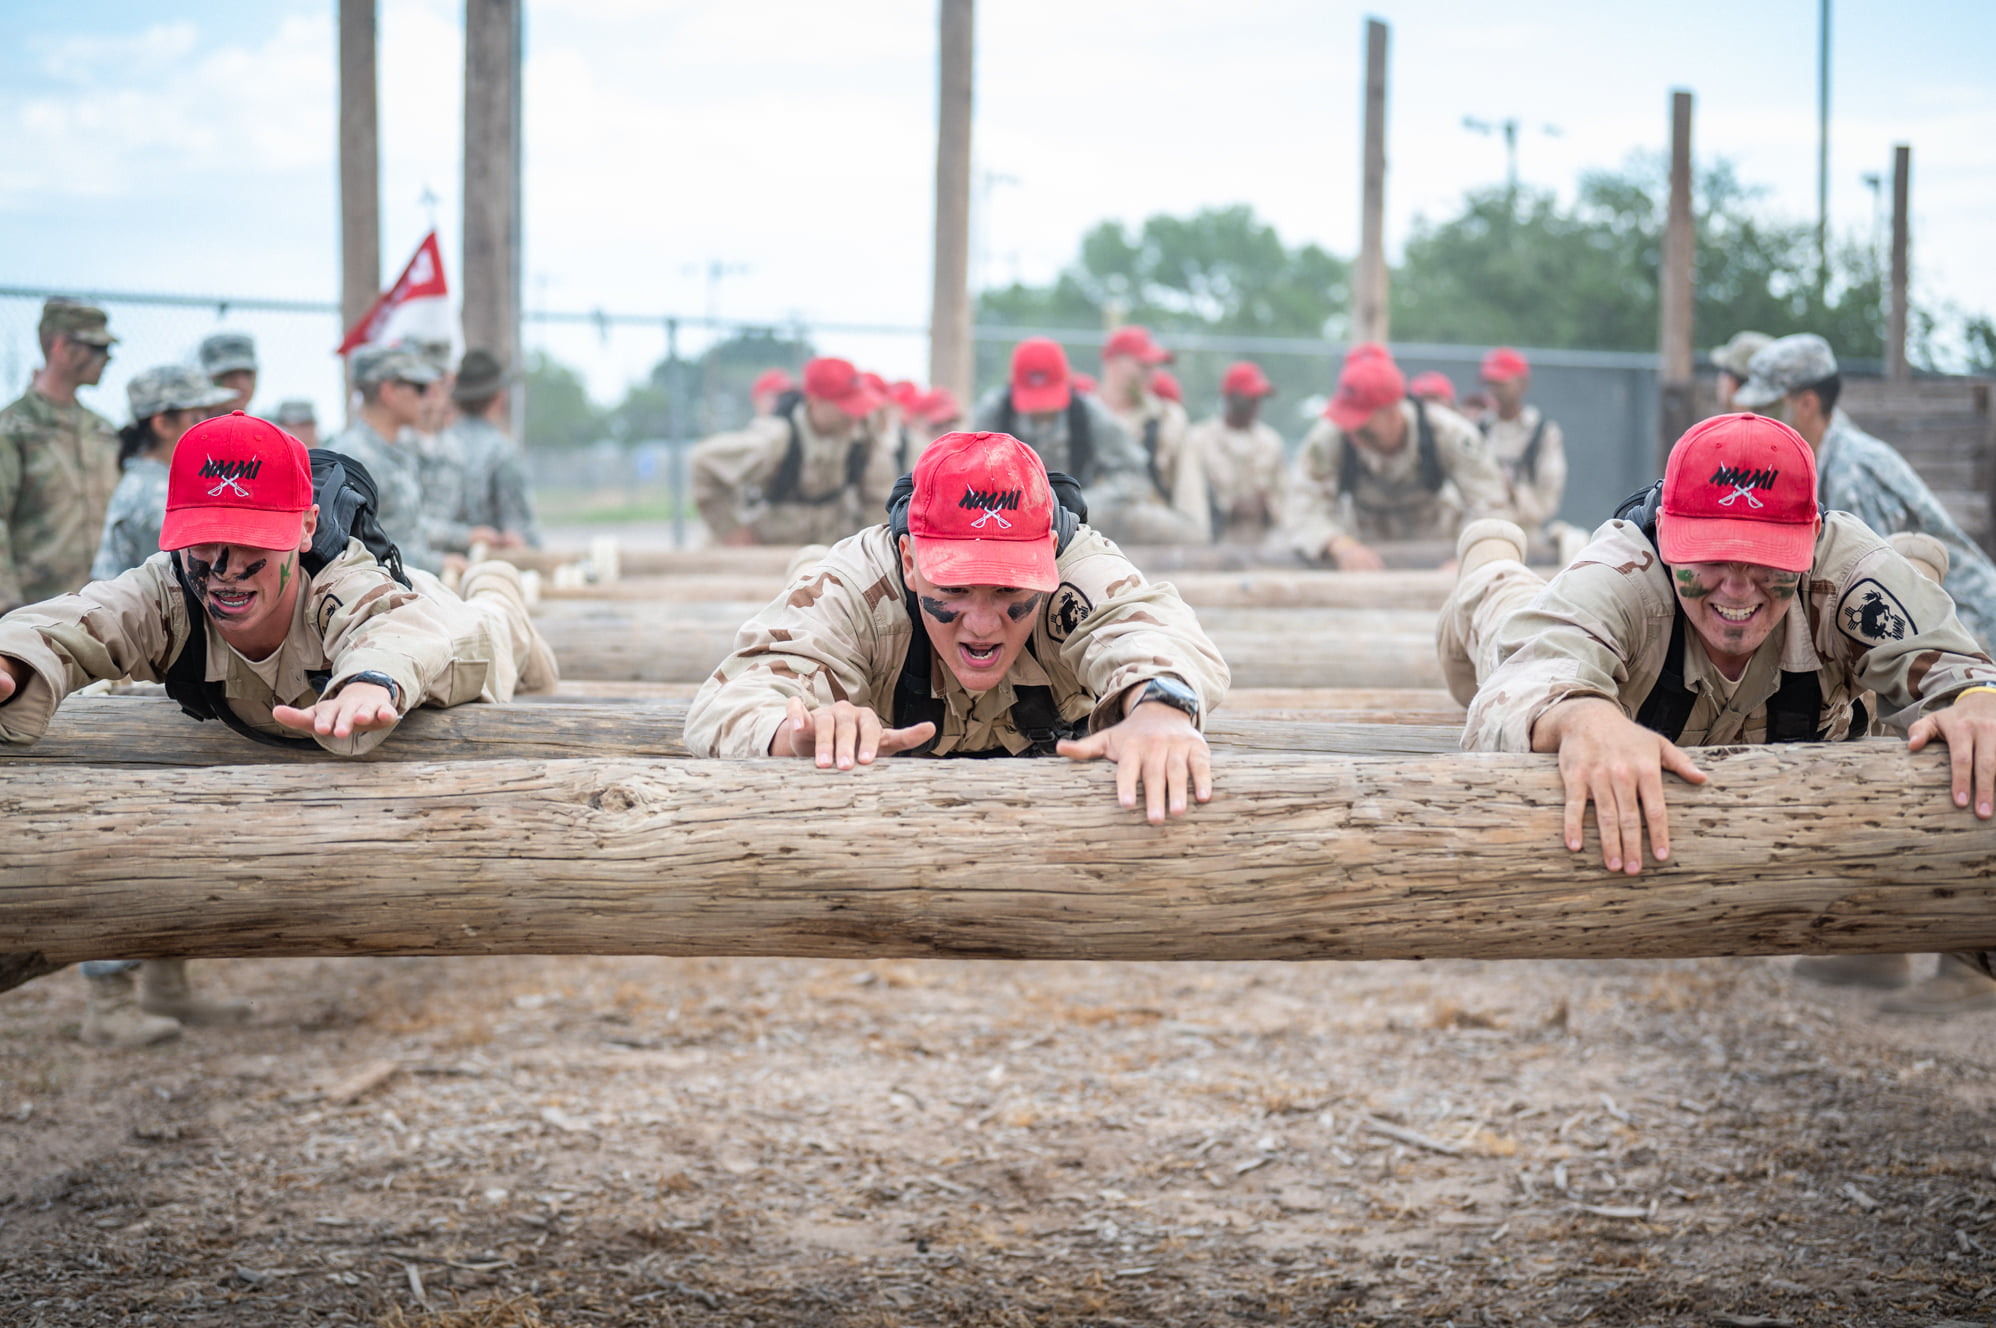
{"points": [[1783, 585], [1688, 584], [283, 575]]}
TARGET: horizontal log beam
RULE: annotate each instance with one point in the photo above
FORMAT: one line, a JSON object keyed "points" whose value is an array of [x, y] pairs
{"points": [[1848, 848], [771, 560]]}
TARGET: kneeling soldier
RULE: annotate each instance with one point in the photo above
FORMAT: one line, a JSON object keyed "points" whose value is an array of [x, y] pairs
{"points": [[983, 619], [251, 619]]}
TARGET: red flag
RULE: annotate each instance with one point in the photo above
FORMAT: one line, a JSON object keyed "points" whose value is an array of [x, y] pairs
{"points": [[423, 279]]}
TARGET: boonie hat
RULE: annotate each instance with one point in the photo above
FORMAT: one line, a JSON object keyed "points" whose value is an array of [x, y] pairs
{"points": [[236, 479], [1780, 367], [1166, 385], [1368, 384], [1434, 385], [1244, 378], [480, 376], [1131, 339], [1736, 355], [982, 513], [172, 387], [77, 321], [838, 382], [1040, 381], [1503, 364], [1740, 489], [397, 361], [226, 352]]}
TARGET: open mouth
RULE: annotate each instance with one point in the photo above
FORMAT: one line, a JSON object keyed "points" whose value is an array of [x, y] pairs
{"points": [[1735, 616], [980, 656], [231, 601]]}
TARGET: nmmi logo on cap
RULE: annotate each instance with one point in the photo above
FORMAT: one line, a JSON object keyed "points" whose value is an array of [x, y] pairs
{"points": [[1740, 489], [236, 479], [982, 513]]}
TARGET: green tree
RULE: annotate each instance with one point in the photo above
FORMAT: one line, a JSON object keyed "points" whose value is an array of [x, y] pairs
{"points": [[559, 412], [716, 387]]}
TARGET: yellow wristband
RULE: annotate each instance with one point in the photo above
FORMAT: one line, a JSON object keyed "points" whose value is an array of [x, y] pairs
{"points": [[1970, 691]]}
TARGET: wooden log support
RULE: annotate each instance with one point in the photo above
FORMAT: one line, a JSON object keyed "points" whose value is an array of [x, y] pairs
{"points": [[1847, 848], [1157, 560]]}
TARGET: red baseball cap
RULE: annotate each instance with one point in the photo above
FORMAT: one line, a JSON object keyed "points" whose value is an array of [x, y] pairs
{"points": [[1368, 384], [1740, 489], [1367, 350], [982, 513], [838, 382], [938, 406], [1085, 383], [1244, 378], [772, 382], [1434, 385], [236, 479], [1131, 339], [1165, 385], [907, 395], [1040, 380], [1504, 364]]}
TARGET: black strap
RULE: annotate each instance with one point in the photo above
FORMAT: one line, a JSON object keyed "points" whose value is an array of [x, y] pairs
{"points": [[1528, 464], [784, 484], [1151, 427], [1350, 470], [187, 676], [1080, 434]]}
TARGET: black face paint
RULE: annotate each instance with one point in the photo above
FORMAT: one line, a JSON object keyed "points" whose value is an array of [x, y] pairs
{"points": [[1783, 585], [1690, 586], [1025, 608], [938, 610]]}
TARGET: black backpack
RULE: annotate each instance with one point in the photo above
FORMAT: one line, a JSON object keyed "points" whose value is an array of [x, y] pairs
{"points": [[1034, 713], [1794, 712], [347, 500], [1080, 438], [783, 485]]}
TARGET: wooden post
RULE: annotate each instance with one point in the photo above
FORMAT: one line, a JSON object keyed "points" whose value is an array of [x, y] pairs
{"points": [[1369, 291], [1675, 411], [492, 37], [1296, 857], [950, 358], [1895, 319], [360, 164]]}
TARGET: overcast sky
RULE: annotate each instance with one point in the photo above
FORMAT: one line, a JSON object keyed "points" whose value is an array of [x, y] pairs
{"points": [[178, 147]]}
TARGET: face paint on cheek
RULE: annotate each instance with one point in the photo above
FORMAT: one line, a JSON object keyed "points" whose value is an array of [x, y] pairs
{"points": [[1689, 585], [1782, 585], [251, 570], [938, 610], [1025, 608], [283, 575]]}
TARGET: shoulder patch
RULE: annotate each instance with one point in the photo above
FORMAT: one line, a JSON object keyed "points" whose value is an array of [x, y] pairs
{"points": [[328, 605], [1869, 614], [1067, 610]]}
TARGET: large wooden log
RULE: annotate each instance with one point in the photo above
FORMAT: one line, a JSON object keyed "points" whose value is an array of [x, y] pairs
{"points": [[1845, 848], [1158, 559]]}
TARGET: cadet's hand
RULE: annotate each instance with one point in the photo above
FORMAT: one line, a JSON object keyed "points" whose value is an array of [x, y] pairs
{"points": [[485, 535], [8, 684], [1351, 556], [359, 705], [841, 733], [1968, 727], [1606, 756], [1158, 743]]}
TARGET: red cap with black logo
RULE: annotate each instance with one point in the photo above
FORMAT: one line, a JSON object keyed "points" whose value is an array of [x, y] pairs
{"points": [[1244, 378], [838, 382], [236, 479], [1040, 382], [982, 513], [1740, 489]]}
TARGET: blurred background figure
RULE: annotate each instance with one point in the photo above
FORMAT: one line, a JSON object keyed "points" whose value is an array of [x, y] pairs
{"points": [[1242, 458], [1085, 383], [769, 385], [1734, 361], [166, 402], [1530, 449], [1434, 388], [1130, 360], [1164, 386], [495, 498], [229, 360], [296, 417]]}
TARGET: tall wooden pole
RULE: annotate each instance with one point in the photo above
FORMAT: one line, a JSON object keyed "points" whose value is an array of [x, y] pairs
{"points": [[1370, 321], [1895, 318], [1674, 330], [360, 164], [950, 360], [492, 39], [1823, 148]]}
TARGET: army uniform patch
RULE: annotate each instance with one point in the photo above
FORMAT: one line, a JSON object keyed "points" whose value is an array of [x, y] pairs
{"points": [[1871, 614], [1067, 610], [328, 606]]}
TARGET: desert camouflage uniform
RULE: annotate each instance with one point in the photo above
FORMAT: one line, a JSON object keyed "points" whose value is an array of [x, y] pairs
{"points": [[58, 466], [732, 470], [496, 491], [1868, 621], [841, 630], [1867, 477], [1178, 470], [131, 526], [398, 483], [1391, 502], [1535, 498], [351, 618], [1244, 474], [1122, 502]]}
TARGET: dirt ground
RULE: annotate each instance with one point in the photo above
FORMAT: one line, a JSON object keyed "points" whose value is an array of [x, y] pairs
{"points": [[760, 1142]]}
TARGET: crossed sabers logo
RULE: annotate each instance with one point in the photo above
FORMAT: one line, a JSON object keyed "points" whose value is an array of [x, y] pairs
{"points": [[1741, 491], [229, 482], [994, 504], [230, 474], [1743, 483]]}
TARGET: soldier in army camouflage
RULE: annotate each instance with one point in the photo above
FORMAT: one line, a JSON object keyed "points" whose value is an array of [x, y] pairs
{"points": [[229, 360], [296, 417], [58, 461], [495, 499], [1731, 360], [166, 402], [394, 382]]}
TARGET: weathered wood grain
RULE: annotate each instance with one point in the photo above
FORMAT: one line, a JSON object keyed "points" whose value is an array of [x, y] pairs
{"points": [[770, 561], [1846, 848]]}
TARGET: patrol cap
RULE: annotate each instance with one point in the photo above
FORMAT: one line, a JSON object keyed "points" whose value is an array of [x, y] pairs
{"points": [[295, 410], [1740, 489], [1737, 354], [1134, 340], [236, 479], [1503, 364], [838, 382], [1434, 385], [1780, 367], [1244, 378], [1163, 384], [1041, 382], [436, 350], [772, 382], [76, 320], [397, 361], [173, 387], [1368, 384], [226, 352], [982, 513], [480, 376]]}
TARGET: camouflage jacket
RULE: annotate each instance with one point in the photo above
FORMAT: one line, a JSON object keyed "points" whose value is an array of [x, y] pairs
{"points": [[733, 474], [1867, 477], [1535, 498], [1177, 470], [495, 487], [841, 630], [1869, 621], [1391, 501], [1244, 474], [398, 481], [131, 527], [440, 467], [351, 617], [58, 466]]}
